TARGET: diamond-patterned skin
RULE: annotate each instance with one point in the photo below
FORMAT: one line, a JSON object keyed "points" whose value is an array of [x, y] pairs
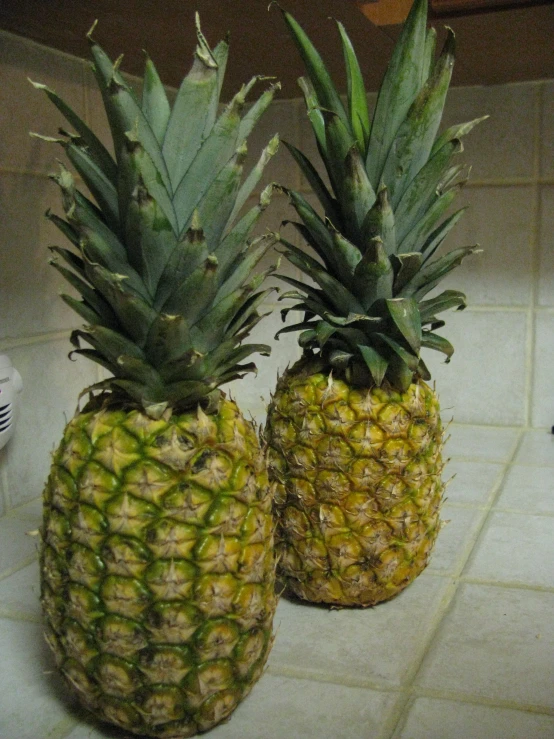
{"points": [[157, 566], [358, 486]]}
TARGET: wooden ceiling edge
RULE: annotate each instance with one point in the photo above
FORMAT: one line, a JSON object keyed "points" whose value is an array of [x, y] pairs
{"points": [[435, 14]]}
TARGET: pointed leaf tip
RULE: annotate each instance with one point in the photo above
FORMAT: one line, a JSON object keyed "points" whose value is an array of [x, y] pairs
{"points": [[37, 85], [91, 31]]}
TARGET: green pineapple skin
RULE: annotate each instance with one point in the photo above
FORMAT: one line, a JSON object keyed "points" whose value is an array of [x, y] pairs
{"points": [[358, 486], [157, 568], [157, 558]]}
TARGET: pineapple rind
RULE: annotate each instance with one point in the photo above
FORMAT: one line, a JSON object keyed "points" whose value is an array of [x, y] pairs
{"points": [[159, 606], [359, 488]]}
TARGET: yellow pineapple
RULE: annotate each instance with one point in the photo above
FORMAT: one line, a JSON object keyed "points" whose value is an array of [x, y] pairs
{"points": [[354, 429]]}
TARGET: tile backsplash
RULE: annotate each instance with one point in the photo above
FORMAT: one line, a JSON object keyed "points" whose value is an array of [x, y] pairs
{"points": [[501, 373]]}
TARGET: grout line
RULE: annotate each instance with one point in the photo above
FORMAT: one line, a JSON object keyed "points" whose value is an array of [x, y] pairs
{"points": [[478, 700], [4, 483], [465, 552], [16, 510], [399, 712], [512, 181], [65, 727], [20, 616], [493, 497], [477, 460], [299, 673], [506, 585], [513, 427], [13, 343], [476, 184], [20, 566], [5, 169], [450, 593], [401, 715], [522, 512], [485, 507], [443, 608], [505, 308], [535, 258], [529, 349], [464, 506]]}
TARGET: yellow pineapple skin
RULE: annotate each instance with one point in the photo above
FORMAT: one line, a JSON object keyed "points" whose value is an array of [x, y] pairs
{"points": [[157, 566], [358, 486]]}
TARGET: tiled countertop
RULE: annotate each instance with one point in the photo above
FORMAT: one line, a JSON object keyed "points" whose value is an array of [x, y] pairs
{"points": [[466, 652]]}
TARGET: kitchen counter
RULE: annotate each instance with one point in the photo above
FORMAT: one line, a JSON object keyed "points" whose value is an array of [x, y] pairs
{"points": [[465, 652]]}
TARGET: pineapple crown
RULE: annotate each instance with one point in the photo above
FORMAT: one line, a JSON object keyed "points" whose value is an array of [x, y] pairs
{"points": [[163, 260], [391, 181]]}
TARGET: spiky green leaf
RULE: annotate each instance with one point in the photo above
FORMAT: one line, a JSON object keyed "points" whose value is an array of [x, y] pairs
{"points": [[155, 104]]}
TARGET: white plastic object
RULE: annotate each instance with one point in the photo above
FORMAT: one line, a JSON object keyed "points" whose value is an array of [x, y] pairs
{"points": [[11, 386]]}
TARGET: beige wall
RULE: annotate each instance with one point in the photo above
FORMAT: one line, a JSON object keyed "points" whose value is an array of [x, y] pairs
{"points": [[503, 369]]}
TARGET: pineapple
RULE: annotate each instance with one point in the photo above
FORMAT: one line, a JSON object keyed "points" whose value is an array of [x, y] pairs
{"points": [[354, 429], [157, 562]]}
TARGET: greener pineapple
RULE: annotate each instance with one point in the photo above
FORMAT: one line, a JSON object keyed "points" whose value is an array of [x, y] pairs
{"points": [[157, 563], [354, 431]]}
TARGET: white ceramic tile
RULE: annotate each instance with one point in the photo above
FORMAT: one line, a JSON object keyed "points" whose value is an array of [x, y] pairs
{"points": [[274, 257], [546, 242], [19, 593], [528, 490], [547, 130], [495, 644], [537, 448], [273, 221], [286, 707], [515, 549], [432, 718], [480, 443], [17, 545], [91, 729], [460, 526], [485, 381], [33, 700], [471, 483], [499, 220], [26, 109], [543, 380], [281, 706], [501, 146], [51, 386], [31, 510], [29, 286], [379, 645]]}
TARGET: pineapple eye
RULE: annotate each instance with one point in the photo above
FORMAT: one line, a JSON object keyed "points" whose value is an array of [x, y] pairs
{"points": [[201, 461]]}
